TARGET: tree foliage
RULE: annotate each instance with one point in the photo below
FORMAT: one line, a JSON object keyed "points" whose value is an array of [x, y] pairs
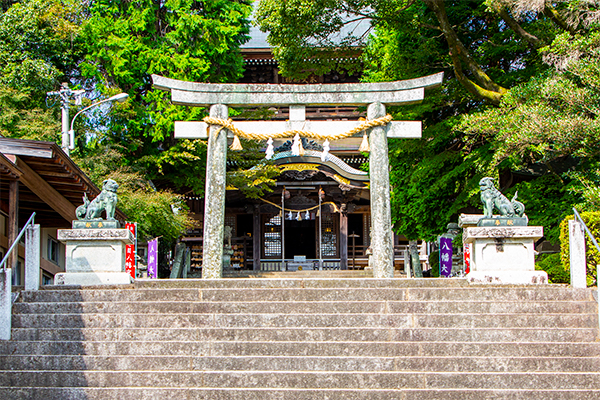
{"points": [[106, 47], [39, 44], [553, 115], [39, 48], [519, 99], [305, 34], [181, 39]]}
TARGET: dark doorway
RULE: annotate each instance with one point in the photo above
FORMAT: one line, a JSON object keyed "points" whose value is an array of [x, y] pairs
{"points": [[300, 239], [244, 225], [355, 226]]}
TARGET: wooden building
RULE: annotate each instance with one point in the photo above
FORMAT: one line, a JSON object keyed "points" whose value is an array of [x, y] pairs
{"points": [[39, 177], [331, 231]]}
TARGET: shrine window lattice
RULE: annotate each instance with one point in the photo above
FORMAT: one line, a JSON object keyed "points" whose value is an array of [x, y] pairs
{"points": [[329, 235], [272, 236]]}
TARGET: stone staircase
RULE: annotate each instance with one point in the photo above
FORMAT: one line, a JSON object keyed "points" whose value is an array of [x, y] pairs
{"points": [[259, 339]]}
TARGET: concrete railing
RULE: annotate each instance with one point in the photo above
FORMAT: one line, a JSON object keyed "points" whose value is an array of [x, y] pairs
{"points": [[577, 256], [32, 273]]}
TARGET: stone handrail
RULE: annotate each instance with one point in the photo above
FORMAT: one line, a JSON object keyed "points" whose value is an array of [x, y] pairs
{"points": [[581, 247]]}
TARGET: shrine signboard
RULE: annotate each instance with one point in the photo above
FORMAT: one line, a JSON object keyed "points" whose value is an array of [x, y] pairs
{"points": [[445, 257]]}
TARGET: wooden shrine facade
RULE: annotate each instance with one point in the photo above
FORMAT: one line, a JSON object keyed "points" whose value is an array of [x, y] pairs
{"points": [[333, 236]]}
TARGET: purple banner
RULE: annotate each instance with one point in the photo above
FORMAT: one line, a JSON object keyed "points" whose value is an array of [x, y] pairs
{"points": [[445, 257], [152, 258]]}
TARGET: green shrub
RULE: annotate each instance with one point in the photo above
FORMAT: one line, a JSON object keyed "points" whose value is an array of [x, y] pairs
{"points": [[552, 265]]}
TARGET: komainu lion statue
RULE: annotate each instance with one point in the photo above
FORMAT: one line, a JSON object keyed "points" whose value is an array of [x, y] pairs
{"points": [[492, 198], [105, 201]]}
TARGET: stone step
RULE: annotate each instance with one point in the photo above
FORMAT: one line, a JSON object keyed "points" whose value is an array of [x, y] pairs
{"points": [[298, 363], [304, 379], [296, 334], [147, 393], [313, 320], [349, 274], [404, 294], [312, 334], [313, 348], [303, 338], [289, 281], [298, 307], [312, 294]]}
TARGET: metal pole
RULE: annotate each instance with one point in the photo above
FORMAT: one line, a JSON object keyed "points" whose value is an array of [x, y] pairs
{"points": [[65, 94], [283, 229], [65, 122], [320, 232], [353, 250], [16, 242]]}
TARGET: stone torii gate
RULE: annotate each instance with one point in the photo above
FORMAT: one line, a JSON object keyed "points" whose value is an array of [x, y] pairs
{"points": [[219, 96]]}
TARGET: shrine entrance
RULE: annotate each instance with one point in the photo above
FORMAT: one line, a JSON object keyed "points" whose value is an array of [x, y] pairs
{"points": [[301, 238], [374, 131]]}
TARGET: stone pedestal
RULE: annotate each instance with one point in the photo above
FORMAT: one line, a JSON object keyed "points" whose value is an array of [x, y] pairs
{"points": [[94, 256], [504, 255]]}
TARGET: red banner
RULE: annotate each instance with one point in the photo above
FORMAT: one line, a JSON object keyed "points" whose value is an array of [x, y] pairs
{"points": [[130, 251], [467, 256]]}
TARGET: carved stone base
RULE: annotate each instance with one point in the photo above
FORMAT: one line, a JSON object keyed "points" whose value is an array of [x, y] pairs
{"points": [[508, 277], [101, 224], [503, 221], [504, 255], [92, 278], [94, 256]]}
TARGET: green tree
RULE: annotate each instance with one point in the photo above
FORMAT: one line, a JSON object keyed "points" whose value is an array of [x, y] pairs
{"points": [[39, 48], [182, 39], [491, 51], [305, 34], [43, 43]]}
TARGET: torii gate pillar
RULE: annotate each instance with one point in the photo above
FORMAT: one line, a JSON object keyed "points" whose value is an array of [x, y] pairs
{"points": [[381, 215], [214, 200]]}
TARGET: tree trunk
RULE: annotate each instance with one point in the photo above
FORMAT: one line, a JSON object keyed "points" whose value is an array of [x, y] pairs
{"points": [[484, 88]]}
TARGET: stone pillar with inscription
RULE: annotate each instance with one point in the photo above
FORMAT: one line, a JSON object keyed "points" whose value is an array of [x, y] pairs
{"points": [[214, 198]]}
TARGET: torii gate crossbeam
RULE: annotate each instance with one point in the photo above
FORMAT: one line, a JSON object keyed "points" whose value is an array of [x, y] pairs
{"points": [[375, 95]]}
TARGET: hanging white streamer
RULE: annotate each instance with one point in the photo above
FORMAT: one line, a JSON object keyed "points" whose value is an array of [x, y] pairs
{"points": [[296, 145], [325, 153], [270, 151]]}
